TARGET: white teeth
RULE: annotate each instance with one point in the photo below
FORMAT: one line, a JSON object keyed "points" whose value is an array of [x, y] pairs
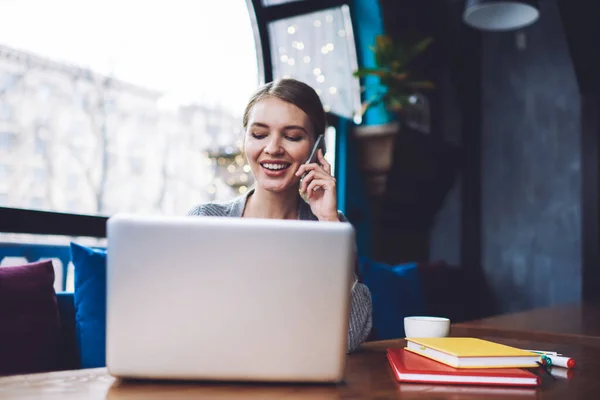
{"points": [[275, 167]]}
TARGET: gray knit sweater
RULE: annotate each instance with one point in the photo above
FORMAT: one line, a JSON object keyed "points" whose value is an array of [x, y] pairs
{"points": [[361, 317]]}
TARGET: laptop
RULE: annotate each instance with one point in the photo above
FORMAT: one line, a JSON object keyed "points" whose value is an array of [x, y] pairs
{"points": [[228, 299]]}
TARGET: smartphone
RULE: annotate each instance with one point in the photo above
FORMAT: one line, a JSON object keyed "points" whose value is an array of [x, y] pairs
{"points": [[319, 144]]}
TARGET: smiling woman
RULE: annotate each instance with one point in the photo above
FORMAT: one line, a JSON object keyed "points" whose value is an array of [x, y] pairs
{"points": [[282, 121]]}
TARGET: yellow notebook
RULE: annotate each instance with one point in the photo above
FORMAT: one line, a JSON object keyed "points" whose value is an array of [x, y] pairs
{"points": [[459, 352]]}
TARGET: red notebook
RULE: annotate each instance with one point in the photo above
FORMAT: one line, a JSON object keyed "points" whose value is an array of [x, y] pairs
{"points": [[411, 367]]}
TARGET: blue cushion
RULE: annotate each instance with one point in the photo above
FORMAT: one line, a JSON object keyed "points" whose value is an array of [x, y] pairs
{"points": [[396, 293], [90, 304]]}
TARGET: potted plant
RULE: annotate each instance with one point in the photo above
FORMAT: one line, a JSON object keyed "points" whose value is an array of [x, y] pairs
{"points": [[399, 91]]}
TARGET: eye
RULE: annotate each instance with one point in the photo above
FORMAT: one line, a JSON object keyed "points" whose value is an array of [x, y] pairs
{"points": [[294, 138], [258, 135]]}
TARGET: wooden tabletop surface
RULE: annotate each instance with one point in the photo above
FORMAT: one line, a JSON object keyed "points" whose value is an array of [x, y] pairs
{"points": [[368, 376], [577, 323]]}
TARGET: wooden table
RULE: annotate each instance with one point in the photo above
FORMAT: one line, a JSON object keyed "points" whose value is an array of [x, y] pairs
{"points": [[368, 376], [575, 323]]}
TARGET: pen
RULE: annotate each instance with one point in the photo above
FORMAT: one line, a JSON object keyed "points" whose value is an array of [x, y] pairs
{"points": [[558, 361], [548, 353]]}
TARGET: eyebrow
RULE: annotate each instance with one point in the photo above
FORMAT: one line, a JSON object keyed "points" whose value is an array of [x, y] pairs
{"points": [[288, 127]]}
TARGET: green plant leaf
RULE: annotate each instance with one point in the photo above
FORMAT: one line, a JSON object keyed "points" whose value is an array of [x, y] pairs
{"points": [[421, 46], [384, 50], [395, 83], [369, 71], [421, 85], [400, 77]]}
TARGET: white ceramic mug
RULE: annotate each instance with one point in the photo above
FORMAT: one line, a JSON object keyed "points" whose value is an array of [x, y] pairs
{"points": [[422, 327]]}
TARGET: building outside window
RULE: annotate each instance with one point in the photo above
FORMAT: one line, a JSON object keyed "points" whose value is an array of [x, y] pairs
{"points": [[109, 97]]}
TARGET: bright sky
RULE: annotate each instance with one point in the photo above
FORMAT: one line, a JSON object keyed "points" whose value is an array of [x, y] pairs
{"points": [[195, 50]]}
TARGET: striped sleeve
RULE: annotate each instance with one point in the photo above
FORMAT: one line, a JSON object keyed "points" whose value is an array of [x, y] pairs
{"points": [[361, 315], [209, 210]]}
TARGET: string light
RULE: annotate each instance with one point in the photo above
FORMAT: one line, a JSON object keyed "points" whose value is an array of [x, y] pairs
{"points": [[243, 178], [330, 92], [247, 168], [242, 189], [284, 58], [239, 159], [231, 169], [230, 181]]}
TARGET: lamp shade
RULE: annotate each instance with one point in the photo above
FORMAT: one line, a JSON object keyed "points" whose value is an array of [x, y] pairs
{"points": [[500, 15]]}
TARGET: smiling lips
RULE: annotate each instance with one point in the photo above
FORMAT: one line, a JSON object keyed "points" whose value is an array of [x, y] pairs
{"points": [[274, 168]]}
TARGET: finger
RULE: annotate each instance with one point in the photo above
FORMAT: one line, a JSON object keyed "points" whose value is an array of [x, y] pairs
{"points": [[321, 184], [326, 166], [307, 180], [323, 175], [301, 170], [314, 190], [314, 167]]}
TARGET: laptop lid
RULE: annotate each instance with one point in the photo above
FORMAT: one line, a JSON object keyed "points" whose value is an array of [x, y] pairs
{"points": [[221, 298]]}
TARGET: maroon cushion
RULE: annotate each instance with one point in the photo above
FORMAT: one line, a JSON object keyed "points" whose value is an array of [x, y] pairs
{"points": [[29, 319]]}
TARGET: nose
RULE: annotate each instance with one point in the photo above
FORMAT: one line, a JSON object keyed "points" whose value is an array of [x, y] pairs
{"points": [[273, 146]]}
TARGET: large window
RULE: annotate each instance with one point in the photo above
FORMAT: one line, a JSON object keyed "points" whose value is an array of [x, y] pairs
{"points": [[136, 106], [113, 105]]}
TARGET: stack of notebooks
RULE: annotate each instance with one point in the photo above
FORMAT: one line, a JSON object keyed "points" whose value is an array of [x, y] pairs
{"points": [[465, 361]]}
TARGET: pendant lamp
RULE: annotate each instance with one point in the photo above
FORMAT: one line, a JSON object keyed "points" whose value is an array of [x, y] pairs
{"points": [[500, 15]]}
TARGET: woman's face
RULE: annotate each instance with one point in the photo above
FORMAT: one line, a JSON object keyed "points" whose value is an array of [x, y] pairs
{"points": [[278, 139]]}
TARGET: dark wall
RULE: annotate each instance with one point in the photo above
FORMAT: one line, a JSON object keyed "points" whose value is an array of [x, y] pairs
{"points": [[511, 102], [445, 235], [422, 182], [531, 167]]}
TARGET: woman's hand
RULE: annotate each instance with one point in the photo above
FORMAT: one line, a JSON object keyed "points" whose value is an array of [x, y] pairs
{"points": [[320, 188]]}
